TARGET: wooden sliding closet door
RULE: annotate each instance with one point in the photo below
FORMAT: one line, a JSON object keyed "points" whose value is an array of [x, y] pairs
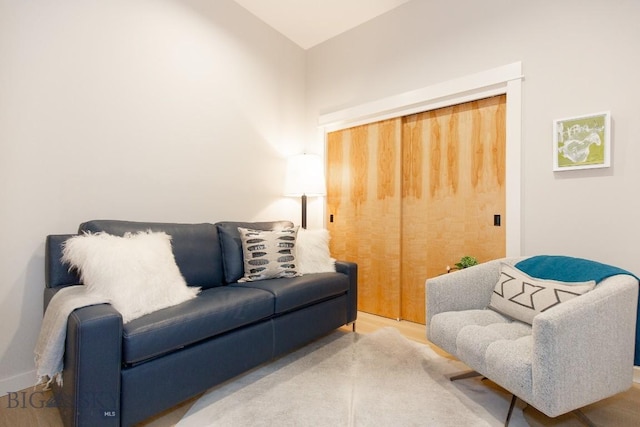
{"points": [[363, 204], [453, 177], [410, 196]]}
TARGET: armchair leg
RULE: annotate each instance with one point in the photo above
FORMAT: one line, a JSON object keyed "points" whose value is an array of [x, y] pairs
{"points": [[513, 404], [583, 418], [464, 375], [578, 413]]}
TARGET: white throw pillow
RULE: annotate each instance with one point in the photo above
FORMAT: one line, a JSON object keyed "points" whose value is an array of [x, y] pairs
{"points": [[521, 297], [268, 254], [313, 254], [137, 273]]}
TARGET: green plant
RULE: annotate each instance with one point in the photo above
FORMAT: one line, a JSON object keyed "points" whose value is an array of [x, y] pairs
{"points": [[466, 261]]}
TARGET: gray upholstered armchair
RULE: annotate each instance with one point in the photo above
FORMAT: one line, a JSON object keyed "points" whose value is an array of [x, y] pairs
{"points": [[573, 354]]}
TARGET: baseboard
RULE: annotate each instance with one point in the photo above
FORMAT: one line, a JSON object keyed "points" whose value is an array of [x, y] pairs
{"points": [[636, 374], [18, 382]]}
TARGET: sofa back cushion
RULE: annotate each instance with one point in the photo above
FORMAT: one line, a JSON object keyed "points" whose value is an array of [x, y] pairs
{"points": [[196, 247], [231, 243], [56, 273]]}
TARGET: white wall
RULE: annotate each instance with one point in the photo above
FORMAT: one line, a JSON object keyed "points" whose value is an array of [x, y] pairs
{"points": [[148, 110], [142, 110], [578, 57]]}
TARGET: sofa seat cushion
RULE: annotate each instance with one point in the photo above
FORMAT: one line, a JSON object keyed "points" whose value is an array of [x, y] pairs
{"points": [[473, 341], [295, 292], [508, 363], [445, 327], [214, 311]]}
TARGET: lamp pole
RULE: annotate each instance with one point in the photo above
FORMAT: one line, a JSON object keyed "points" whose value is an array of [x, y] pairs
{"points": [[304, 211]]}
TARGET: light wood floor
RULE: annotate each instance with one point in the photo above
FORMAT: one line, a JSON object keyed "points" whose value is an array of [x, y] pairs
{"points": [[28, 408]]}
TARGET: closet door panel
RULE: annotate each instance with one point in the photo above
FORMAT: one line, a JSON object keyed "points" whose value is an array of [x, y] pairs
{"points": [[452, 186], [487, 181], [363, 204]]}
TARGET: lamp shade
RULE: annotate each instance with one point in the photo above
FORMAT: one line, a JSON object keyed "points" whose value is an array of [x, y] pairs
{"points": [[305, 176]]}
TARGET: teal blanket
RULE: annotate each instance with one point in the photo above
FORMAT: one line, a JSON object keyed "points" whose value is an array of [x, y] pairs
{"points": [[568, 269]]}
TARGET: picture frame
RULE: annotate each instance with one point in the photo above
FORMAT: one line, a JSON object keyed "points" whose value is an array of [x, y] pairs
{"points": [[582, 142]]}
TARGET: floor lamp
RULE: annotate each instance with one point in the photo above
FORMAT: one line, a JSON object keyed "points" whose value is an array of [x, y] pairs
{"points": [[305, 177]]}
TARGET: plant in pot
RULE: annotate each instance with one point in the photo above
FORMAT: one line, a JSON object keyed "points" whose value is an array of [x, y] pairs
{"points": [[466, 261]]}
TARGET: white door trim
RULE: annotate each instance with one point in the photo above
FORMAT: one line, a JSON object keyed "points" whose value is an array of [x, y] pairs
{"points": [[506, 79]]}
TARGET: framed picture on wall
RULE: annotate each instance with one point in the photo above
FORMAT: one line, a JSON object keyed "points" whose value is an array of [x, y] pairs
{"points": [[582, 142]]}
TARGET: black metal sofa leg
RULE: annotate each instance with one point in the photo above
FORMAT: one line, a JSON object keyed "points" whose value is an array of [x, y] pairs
{"points": [[513, 404], [464, 375]]}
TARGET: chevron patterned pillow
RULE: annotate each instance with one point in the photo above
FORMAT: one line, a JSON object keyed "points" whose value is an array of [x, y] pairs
{"points": [[522, 297]]}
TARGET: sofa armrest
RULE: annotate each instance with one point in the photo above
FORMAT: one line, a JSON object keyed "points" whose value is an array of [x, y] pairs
{"points": [[351, 270], [90, 394], [583, 348]]}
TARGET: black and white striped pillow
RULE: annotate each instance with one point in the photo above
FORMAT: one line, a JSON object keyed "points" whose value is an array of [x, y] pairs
{"points": [[268, 254]]}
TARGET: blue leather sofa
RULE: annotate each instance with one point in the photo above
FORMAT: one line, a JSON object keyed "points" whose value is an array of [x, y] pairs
{"points": [[117, 374]]}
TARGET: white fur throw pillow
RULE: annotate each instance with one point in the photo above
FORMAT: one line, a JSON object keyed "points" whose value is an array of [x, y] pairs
{"points": [[313, 252], [137, 273]]}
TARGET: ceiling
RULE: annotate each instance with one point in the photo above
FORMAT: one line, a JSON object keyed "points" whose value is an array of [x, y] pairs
{"points": [[310, 22]]}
